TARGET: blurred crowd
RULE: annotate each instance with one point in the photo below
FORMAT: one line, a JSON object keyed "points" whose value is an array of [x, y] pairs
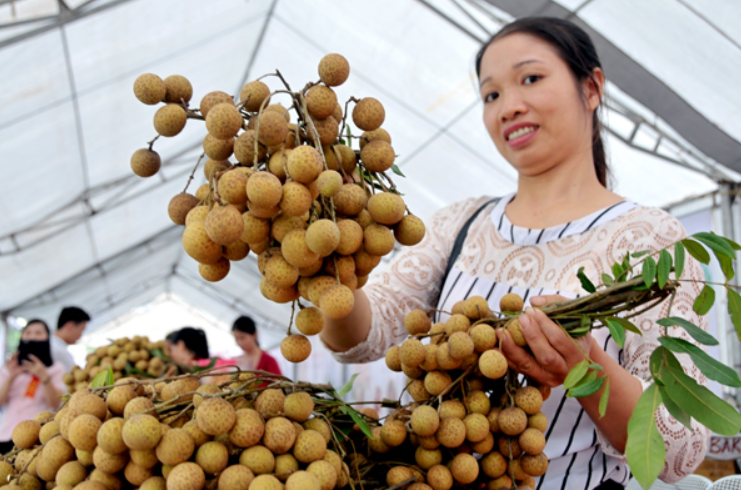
{"points": [[31, 379]]}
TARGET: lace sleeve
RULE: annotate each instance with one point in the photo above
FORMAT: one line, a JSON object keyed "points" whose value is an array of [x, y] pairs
{"points": [[685, 449], [410, 280]]}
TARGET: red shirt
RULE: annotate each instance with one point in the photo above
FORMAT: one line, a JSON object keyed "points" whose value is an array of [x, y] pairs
{"points": [[267, 363]]}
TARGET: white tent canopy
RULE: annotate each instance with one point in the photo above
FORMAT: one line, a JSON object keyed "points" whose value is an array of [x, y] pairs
{"points": [[79, 228]]}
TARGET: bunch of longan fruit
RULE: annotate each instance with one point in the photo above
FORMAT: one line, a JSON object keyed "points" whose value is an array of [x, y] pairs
{"points": [[318, 212], [472, 420], [137, 357], [178, 435]]}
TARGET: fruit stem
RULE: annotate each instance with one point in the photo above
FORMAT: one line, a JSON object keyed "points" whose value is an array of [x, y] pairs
{"points": [[193, 173], [290, 321], [190, 114], [152, 142], [344, 114], [257, 131]]}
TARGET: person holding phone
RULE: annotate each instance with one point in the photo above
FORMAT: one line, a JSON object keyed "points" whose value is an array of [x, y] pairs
{"points": [[30, 382]]}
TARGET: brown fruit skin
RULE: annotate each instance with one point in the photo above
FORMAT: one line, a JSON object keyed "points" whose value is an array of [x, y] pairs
{"points": [[310, 321], [529, 399], [337, 301], [235, 477], [179, 89], [26, 434], [142, 432], [323, 237], [410, 230], [465, 468], [213, 457], [244, 149], [378, 240], [110, 436], [224, 121], [378, 156], [198, 245], [386, 208], [211, 99], [328, 130], [170, 120], [425, 421], [512, 421], [351, 241], [350, 200], [334, 69], [149, 89], [511, 302], [296, 199], [280, 435], [271, 128], [179, 207], [295, 348], [368, 114], [264, 189], [534, 465], [538, 421], [224, 225], [83, 432], [320, 101], [186, 476], [494, 464], [215, 416], [257, 92], [515, 332], [145, 162], [493, 364], [417, 321], [393, 359], [378, 134], [175, 447], [532, 441], [452, 432], [439, 477], [309, 446]]}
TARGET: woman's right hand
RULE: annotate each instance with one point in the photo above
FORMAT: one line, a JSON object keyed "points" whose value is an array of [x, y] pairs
{"points": [[14, 369]]}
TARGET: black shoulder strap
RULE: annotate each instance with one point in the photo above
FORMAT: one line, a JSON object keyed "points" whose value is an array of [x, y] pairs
{"points": [[458, 245]]}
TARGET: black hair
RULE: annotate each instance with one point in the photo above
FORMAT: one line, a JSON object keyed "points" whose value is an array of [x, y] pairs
{"points": [[172, 336], [246, 325], [37, 320], [194, 340], [577, 50], [72, 314]]}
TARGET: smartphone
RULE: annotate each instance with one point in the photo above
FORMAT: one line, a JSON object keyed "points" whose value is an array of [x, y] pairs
{"points": [[38, 348]]}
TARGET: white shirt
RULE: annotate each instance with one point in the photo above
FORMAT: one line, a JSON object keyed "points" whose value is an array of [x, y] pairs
{"points": [[60, 353]]}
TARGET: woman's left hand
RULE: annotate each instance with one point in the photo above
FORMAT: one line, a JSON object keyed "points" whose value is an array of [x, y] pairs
{"points": [[552, 351], [36, 367]]}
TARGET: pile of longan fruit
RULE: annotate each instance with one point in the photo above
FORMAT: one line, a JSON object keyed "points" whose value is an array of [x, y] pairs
{"points": [[318, 212], [125, 357], [180, 435], [472, 420]]}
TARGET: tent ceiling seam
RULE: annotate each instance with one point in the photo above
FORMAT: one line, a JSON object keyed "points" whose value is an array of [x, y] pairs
{"points": [[256, 48], [471, 17], [711, 24], [452, 22]]}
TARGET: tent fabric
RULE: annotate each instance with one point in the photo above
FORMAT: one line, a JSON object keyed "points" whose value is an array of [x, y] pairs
{"points": [[78, 227]]}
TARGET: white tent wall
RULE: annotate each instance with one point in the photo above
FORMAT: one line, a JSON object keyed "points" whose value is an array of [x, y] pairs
{"points": [[79, 228]]}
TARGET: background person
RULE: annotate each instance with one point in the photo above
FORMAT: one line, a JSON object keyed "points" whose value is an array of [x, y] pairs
{"points": [[70, 326], [253, 358], [541, 84], [28, 388]]}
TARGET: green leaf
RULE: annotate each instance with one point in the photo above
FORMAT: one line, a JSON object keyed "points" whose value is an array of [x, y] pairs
{"points": [[576, 374], [695, 332], [710, 367], [395, 168], [618, 272], [627, 325], [616, 330], [719, 242], [726, 265], [641, 253], [649, 271], [357, 418], [645, 446], [664, 267], [157, 353], [655, 362], [596, 367], [607, 279], [135, 370], [589, 388], [604, 397], [704, 301], [103, 378], [626, 262], [348, 386], [734, 245], [586, 284], [678, 259], [699, 402], [734, 309], [696, 250], [674, 410]]}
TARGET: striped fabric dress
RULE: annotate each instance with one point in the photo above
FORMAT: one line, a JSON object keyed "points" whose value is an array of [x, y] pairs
{"points": [[499, 257]]}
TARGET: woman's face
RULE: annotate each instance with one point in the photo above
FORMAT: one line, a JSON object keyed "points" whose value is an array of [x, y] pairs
{"points": [[246, 342], [180, 353], [534, 110], [34, 331]]}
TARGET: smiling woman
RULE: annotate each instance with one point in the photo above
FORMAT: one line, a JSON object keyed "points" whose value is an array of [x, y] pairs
{"points": [[541, 86]]}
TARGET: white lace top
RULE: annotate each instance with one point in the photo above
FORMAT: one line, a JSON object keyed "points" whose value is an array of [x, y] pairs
{"points": [[497, 258]]}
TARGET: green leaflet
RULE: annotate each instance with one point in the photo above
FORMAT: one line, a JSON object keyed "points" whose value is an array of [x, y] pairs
{"points": [[676, 412], [699, 402], [734, 309], [645, 446], [663, 268], [347, 387], [396, 170], [726, 265], [357, 418], [586, 284], [715, 242], [710, 367], [587, 388], [576, 374], [616, 330], [618, 272], [103, 378], [734, 245], [696, 250], [649, 271], [678, 259], [603, 399], [607, 279], [695, 332], [704, 301], [627, 325]]}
